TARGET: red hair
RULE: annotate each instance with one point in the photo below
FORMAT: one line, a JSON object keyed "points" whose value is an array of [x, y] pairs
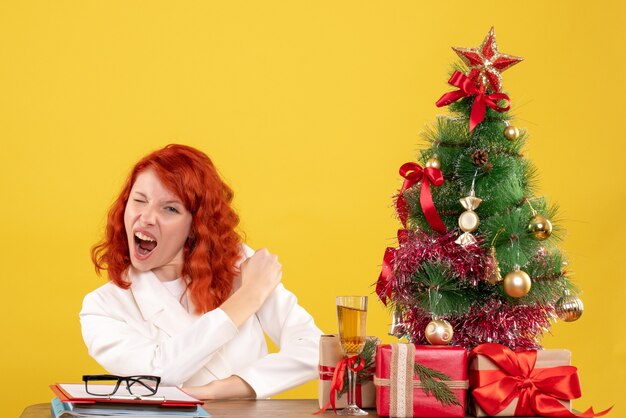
{"points": [[213, 245]]}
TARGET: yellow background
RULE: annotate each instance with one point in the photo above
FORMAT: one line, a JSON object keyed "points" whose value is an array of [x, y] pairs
{"points": [[308, 109]]}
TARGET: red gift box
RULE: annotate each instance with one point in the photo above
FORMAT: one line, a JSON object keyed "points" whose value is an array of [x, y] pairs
{"points": [[523, 383], [399, 392]]}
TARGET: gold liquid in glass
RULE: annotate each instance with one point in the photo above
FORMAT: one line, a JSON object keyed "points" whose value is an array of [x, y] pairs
{"points": [[351, 329]]}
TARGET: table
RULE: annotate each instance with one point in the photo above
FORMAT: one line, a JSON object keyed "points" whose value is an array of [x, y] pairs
{"points": [[236, 408], [292, 408]]}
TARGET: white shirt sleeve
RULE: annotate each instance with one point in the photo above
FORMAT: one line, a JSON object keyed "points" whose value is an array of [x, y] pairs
{"points": [[124, 349], [293, 330]]}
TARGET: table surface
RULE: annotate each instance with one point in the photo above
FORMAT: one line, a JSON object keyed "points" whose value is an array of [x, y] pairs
{"points": [[236, 408], [293, 408]]}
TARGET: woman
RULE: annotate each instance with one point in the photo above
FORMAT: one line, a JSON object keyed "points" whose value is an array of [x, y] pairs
{"points": [[188, 301]]}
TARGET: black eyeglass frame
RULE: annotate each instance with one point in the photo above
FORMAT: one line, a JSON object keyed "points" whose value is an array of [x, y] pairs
{"points": [[129, 380]]}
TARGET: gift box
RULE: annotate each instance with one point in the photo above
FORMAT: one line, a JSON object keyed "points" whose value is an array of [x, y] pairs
{"points": [[528, 383], [402, 388], [330, 355]]}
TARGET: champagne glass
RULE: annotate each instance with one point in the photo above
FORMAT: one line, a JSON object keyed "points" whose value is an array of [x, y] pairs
{"points": [[352, 315]]}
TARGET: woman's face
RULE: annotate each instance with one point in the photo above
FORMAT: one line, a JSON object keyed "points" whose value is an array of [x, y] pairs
{"points": [[157, 226]]}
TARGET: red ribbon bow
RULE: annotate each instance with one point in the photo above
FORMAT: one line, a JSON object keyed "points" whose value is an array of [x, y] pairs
{"points": [[354, 363], [538, 390], [467, 87], [383, 285], [413, 173]]}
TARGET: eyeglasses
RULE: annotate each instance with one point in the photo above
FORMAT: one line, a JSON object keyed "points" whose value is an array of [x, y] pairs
{"points": [[108, 384]]}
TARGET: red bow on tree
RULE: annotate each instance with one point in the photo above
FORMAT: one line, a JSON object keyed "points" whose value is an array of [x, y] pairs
{"points": [[538, 390], [383, 285], [467, 88], [413, 173]]}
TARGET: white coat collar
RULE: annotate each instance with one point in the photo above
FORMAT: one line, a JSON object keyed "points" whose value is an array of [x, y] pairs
{"points": [[157, 304], [159, 307]]}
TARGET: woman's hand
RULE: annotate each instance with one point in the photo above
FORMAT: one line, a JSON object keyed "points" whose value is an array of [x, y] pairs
{"points": [[260, 274], [230, 388]]}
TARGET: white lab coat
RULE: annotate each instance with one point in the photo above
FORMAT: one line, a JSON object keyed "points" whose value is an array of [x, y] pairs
{"points": [[146, 330]]}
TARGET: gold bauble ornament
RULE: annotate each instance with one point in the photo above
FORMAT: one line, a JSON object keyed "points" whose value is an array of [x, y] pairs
{"points": [[434, 163], [517, 283], [540, 227], [439, 332], [511, 133], [569, 308]]}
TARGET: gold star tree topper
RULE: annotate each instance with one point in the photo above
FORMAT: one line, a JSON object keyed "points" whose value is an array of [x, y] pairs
{"points": [[486, 63]]}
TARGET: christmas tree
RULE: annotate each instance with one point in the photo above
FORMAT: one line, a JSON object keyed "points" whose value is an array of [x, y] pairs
{"points": [[477, 257]]}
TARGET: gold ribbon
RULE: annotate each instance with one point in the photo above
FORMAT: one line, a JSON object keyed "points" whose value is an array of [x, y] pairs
{"points": [[400, 387], [417, 384]]}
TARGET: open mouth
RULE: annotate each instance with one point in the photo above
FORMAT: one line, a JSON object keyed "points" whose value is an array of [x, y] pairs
{"points": [[144, 244]]}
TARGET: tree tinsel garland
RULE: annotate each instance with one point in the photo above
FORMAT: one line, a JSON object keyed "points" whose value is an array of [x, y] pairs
{"points": [[469, 263], [489, 318], [515, 326]]}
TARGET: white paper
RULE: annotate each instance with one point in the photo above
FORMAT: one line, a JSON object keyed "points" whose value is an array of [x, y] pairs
{"points": [[169, 393]]}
